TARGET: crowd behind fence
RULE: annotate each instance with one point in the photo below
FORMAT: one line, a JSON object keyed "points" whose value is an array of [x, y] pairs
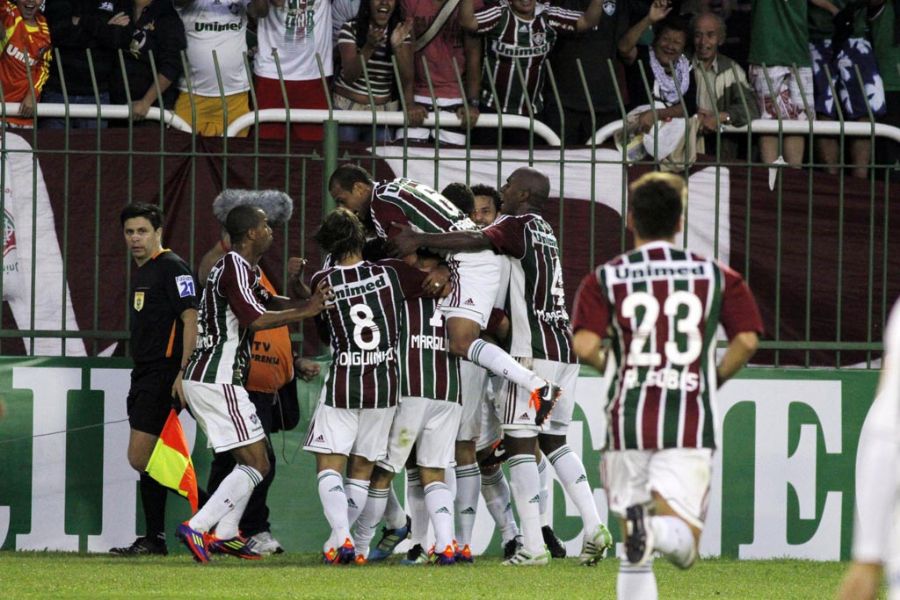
{"points": [[814, 242]]}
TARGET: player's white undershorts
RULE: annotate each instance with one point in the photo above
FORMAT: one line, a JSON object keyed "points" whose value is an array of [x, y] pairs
{"points": [[477, 282], [225, 414], [514, 402], [680, 475], [430, 425], [359, 431], [473, 381]]}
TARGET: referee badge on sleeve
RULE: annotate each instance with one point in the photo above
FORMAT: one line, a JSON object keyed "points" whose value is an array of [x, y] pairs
{"points": [[138, 301]]}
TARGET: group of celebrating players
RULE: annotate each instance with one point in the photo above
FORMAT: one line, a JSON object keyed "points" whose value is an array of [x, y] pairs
{"points": [[449, 337]]}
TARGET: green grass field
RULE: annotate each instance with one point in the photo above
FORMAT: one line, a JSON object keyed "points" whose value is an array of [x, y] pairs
{"points": [[52, 575]]}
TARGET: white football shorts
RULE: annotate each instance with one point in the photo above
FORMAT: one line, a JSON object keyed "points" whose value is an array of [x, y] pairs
{"points": [[225, 414]]}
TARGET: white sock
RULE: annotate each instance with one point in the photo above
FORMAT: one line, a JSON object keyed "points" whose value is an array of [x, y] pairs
{"points": [[571, 474], [496, 494], [636, 583], [544, 478], [234, 489], [334, 504], [468, 486], [494, 358], [418, 513], [673, 538], [357, 491], [368, 520], [394, 515], [450, 480], [227, 527], [439, 501], [525, 485]]}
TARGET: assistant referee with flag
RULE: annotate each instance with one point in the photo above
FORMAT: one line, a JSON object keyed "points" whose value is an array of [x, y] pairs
{"points": [[163, 304]]}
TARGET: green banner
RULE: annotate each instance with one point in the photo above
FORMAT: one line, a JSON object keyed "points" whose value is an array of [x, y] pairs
{"points": [[783, 483]]}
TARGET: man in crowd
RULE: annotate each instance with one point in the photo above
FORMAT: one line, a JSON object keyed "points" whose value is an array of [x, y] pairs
{"points": [[25, 36], [661, 306], [163, 332]]}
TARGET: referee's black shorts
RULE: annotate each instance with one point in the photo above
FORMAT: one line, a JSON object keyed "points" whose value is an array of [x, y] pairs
{"points": [[150, 397]]}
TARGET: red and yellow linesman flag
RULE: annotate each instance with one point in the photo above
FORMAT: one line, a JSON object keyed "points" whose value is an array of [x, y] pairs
{"points": [[170, 464]]}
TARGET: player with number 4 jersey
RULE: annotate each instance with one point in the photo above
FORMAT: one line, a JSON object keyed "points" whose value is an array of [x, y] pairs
{"points": [[660, 306]]}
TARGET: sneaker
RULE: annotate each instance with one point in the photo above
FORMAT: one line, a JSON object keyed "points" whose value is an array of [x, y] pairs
{"points": [[638, 537], [445, 558], [497, 455], [196, 541], [360, 560], [554, 544], [512, 546], [464, 555], [265, 544], [415, 556], [390, 538], [347, 552], [523, 558], [543, 400], [238, 546], [143, 546], [594, 547]]}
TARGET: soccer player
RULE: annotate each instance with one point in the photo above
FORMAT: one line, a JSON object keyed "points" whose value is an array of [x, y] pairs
{"points": [[876, 529], [362, 386], [660, 307], [428, 416], [475, 275], [163, 332], [234, 305], [540, 339]]}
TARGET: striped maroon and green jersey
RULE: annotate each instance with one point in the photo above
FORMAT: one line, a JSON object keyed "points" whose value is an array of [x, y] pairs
{"points": [[510, 39], [233, 298], [427, 369], [664, 306], [536, 301], [363, 326], [411, 203]]}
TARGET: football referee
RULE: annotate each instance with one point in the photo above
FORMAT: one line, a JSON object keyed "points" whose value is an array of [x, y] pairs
{"points": [[163, 333]]}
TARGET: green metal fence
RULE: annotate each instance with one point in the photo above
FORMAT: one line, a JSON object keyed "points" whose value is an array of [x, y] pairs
{"points": [[816, 248]]}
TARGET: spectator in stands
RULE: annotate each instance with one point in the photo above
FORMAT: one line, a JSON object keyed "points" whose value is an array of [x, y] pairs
{"points": [[723, 95], [26, 34], [518, 33], [665, 66], [445, 48], [374, 36], [779, 41], [595, 48], [837, 40], [75, 27], [884, 31], [212, 26], [155, 29], [298, 33]]}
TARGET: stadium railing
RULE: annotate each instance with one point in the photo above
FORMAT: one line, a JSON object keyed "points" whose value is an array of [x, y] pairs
{"points": [[183, 165]]}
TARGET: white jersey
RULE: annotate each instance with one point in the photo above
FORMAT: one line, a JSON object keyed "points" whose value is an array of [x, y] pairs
{"points": [[297, 31], [219, 25], [877, 526]]}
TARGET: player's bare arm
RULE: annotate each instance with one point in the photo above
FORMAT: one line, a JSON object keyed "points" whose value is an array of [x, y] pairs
{"points": [[588, 347], [406, 241], [740, 349], [188, 342], [305, 309]]}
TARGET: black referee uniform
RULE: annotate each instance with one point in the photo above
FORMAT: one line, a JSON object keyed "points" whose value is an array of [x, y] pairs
{"points": [[161, 290]]}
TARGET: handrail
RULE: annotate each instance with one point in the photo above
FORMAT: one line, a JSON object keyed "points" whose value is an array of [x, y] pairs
{"points": [[394, 118], [107, 111], [767, 126]]}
